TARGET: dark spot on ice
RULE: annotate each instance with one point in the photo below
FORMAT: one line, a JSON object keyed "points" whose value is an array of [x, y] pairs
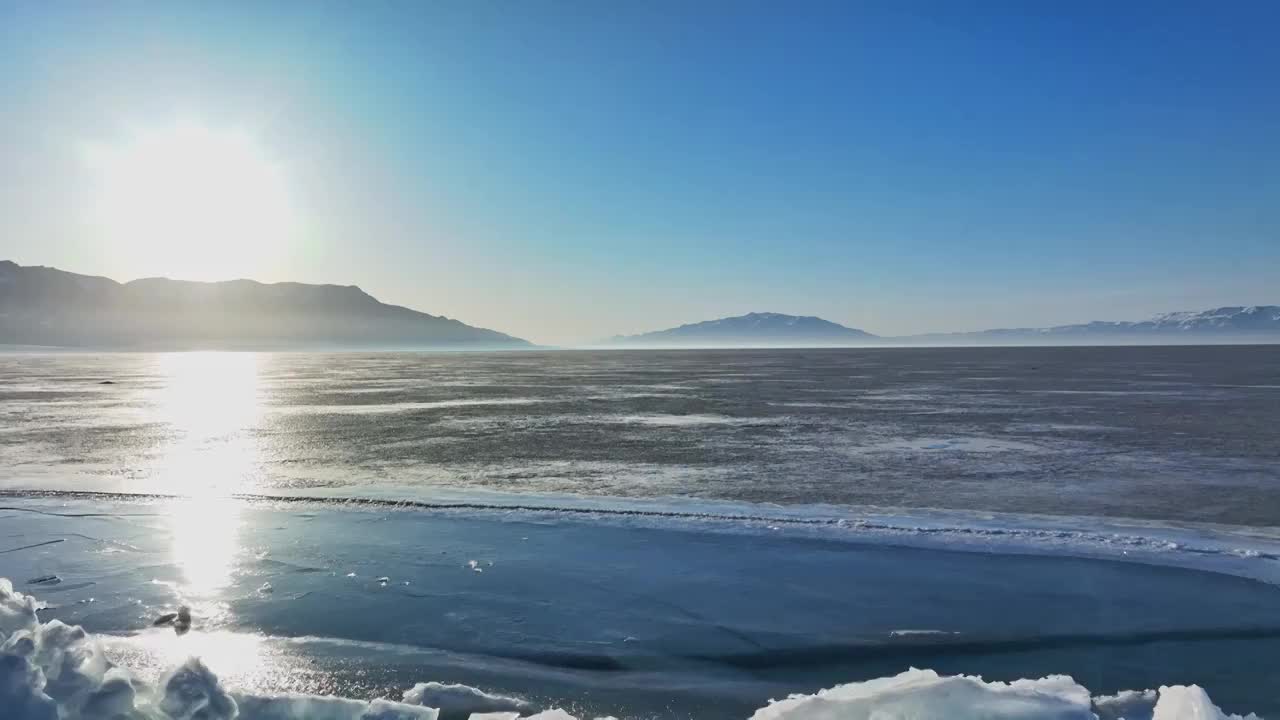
{"points": [[181, 620], [107, 382], [183, 623]]}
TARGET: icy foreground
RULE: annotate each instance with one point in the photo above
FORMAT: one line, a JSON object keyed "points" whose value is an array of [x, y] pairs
{"points": [[55, 671]]}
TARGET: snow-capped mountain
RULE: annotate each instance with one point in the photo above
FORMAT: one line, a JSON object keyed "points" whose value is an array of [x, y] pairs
{"points": [[1247, 319], [1254, 318], [1251, 323], [757, 328]]}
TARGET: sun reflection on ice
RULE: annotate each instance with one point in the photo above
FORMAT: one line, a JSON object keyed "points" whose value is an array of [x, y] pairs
{"points": [[210, 403], [243, 660], [206, 544]]}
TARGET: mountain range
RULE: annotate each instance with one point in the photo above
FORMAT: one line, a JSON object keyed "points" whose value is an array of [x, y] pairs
{"points": [[1238, 323], [44, 306], [1256, 323]]}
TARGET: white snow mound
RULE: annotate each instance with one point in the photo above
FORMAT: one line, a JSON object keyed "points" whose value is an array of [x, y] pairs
{"points": [[925, 695]]}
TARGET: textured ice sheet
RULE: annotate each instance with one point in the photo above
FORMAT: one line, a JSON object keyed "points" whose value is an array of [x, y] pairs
{"points": [[52, 671], [1156, 433], [628, 609]]}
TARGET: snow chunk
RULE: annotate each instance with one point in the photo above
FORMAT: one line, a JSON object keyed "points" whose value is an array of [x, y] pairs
{"points": [[116, 697], [22, 690], [461, 701], [191, 692], [1181, 702], [1126, 705], [17, 611], [73, 664]]}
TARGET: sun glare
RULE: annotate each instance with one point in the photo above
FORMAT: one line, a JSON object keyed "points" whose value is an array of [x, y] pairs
{"points": [[211, 405], [190, 201]]}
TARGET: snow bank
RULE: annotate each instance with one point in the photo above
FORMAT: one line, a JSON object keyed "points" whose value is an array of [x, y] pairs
{"points": [[55, 671], [923, 694]]}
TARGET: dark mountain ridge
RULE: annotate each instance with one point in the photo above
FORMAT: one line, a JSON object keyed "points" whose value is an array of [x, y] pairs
{"points": [[50, 307]]}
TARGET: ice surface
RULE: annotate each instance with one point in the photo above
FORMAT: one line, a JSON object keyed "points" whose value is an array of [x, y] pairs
{"points": [[398, 407], [687, 420], [55, 671], [887, 428], [312, 707]]}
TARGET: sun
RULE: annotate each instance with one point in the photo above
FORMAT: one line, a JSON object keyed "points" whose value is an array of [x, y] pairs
{"points": [[190, 201]]}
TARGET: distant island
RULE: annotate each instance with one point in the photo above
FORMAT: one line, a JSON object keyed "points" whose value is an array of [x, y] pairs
{"points": [[757, 328], [47, 307]]}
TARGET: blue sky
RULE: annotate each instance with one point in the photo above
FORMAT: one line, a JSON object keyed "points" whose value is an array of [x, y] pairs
{"points": [[570, 170]]}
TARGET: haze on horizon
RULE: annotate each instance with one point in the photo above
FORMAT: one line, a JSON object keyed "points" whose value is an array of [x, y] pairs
{"points": [[570, 171]]}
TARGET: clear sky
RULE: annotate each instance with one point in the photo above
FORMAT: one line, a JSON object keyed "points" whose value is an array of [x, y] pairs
{"points": [[565, 171]]}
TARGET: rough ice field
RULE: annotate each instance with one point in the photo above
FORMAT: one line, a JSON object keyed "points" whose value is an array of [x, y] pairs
{"points": [[1183, 434]]}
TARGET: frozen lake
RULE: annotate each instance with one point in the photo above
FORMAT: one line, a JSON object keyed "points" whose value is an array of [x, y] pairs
{"points": [[656, 534]]}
